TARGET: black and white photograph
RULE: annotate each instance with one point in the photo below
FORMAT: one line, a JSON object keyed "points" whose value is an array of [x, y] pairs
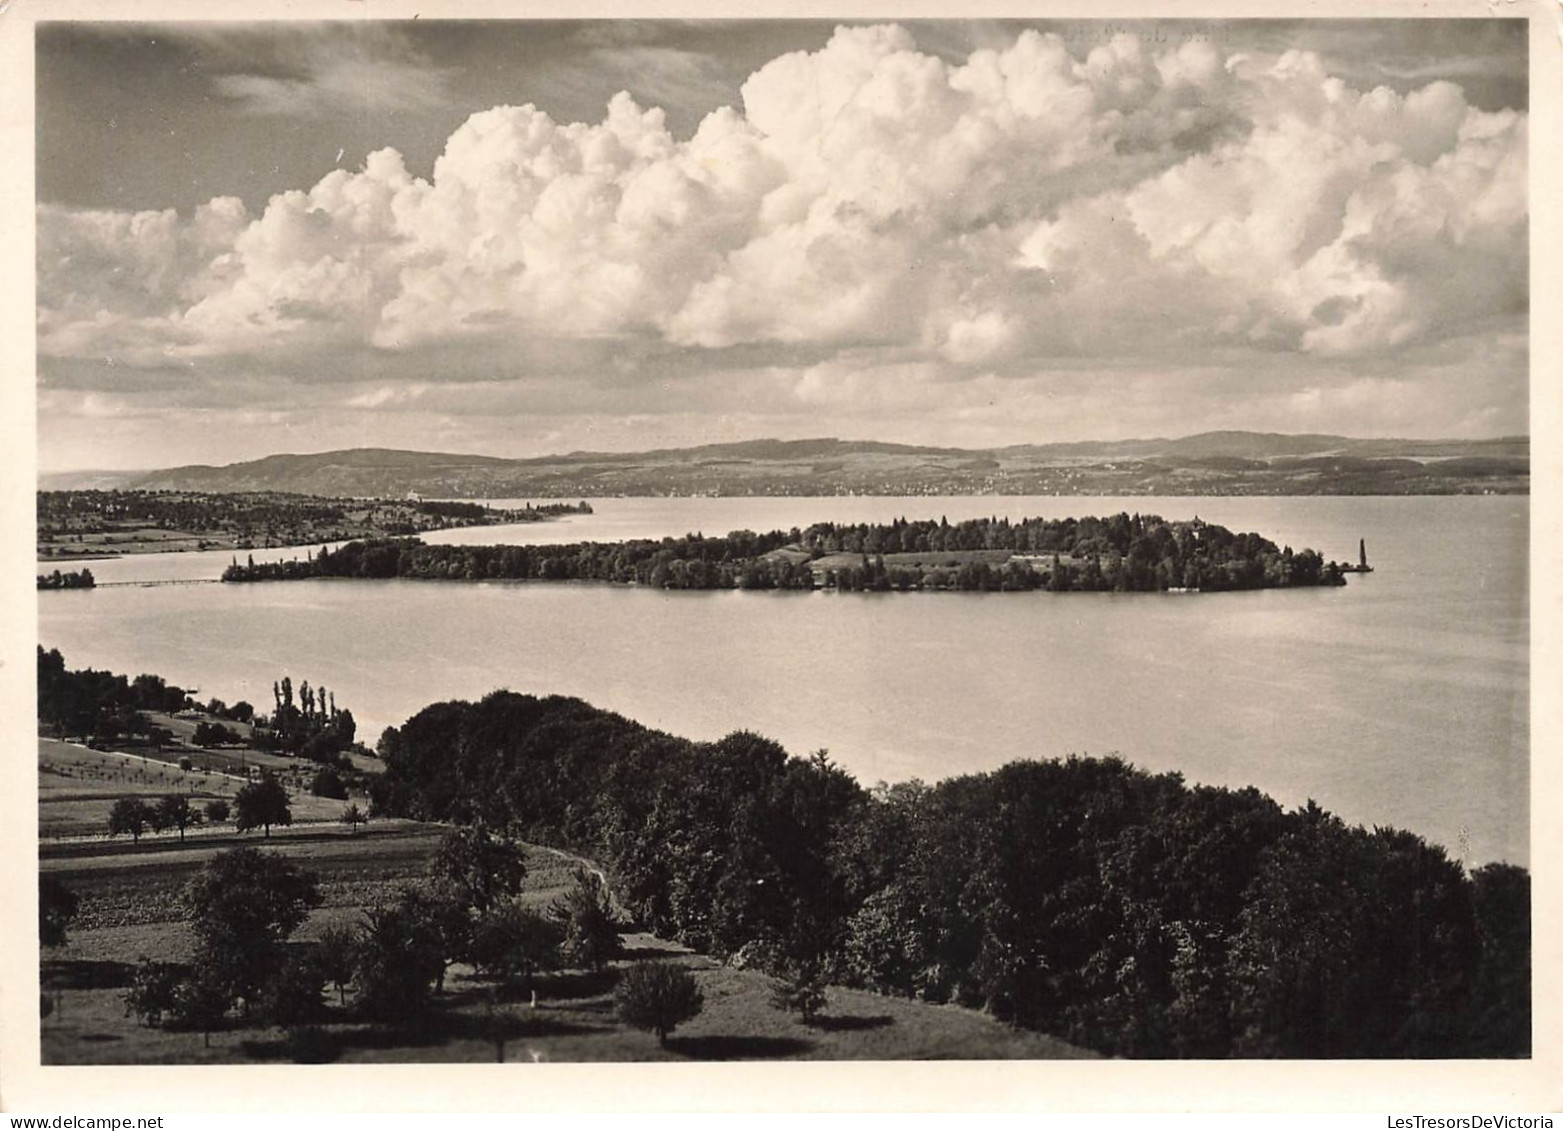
{"points": [[705, 540]]}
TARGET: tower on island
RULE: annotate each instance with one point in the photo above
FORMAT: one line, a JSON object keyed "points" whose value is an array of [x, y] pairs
{"points": [[1362, 565]]}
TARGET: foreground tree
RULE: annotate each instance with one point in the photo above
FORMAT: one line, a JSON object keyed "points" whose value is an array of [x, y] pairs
{"points": [[480, 867], [657, 997], [353, 816], [1501, 1021], [336, 952], [57, 906], [511, 939], [242, 907], [591, 930], [292, 995], [130, 815], [176, 812], [261, 804], [153, 986], [201, 1001], [800, 990], [401, 954]]}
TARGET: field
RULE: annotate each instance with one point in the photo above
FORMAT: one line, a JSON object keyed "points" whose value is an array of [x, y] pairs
{"points": [[78, 786], [129, 910]]}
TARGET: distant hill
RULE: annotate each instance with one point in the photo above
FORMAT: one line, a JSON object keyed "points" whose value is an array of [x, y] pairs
{"points": [[1238, 463], [86, 480]]}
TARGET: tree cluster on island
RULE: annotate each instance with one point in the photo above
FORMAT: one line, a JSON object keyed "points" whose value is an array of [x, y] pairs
{"points": [[76, 579], [1124, 552], [1120, 910]]}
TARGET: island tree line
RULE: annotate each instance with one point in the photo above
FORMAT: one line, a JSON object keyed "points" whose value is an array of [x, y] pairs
{"points": [[1123, 552]]}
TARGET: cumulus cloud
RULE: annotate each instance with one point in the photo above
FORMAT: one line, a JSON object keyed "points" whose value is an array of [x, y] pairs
{"points": [[866, 200]]}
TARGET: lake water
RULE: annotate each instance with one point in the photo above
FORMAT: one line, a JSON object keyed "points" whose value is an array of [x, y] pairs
{"points": [[1401, 699]]}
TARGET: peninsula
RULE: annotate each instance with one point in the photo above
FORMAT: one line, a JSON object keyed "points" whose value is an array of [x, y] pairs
{"points": [[102, 524]]}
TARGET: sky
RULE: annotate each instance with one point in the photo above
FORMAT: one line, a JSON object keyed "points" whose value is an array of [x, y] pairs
{"points": [[527, 237]]}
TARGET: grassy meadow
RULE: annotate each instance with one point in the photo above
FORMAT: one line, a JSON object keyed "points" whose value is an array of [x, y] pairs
{"points": [[129, 910]]}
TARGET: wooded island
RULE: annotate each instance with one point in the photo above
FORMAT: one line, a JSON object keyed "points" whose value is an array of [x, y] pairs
{"points": [[1123, 552]]}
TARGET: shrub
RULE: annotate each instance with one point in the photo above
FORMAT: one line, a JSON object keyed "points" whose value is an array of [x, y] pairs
{"points": [[213, 734], [328, 783], [657, 997], [591, 930], [800, 990], [336, 953], [401, 954], [511, 939], [56, 908], [152, 991], [293, 994], [201, 1001]]}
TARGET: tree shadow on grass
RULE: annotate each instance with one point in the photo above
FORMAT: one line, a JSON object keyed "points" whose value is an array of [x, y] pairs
{"points": [[738, 1048], [572, 985], [850, 1024], [567, 985], [514, 1026], [427, 1033], [305, 1046], [585, 1007], [81, 974]]}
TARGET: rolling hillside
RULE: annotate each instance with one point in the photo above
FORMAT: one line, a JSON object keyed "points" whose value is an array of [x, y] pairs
{"points": [[1210, 463]]}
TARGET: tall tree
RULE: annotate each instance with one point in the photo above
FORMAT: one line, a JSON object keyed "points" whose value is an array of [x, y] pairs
{"points": [[591, 930], [261, 804], [401, 953], [479, 865], [176, 812], [130, 815], [242, 906]]}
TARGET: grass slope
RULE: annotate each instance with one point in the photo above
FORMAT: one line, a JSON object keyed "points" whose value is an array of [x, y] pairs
{"points": [[129, 910]]}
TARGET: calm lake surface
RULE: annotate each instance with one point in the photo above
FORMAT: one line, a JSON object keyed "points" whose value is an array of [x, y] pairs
{"points": [[1401, 699]]}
